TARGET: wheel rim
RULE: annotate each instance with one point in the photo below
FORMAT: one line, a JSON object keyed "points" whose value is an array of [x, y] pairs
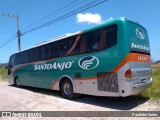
{"points": [[67, 88]]}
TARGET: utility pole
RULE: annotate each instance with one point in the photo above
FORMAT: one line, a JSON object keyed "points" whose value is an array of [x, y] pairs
{"points": [[18, 28]]}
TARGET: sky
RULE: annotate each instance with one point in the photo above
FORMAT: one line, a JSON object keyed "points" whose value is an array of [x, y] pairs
{"points": [[33, 13]]}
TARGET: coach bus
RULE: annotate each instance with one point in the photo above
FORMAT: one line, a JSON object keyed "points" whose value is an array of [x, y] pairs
{"points": [[111, 59]]}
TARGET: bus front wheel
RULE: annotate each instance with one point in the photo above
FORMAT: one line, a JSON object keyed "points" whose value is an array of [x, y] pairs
{"points": [[67, 89], [17, 82]]}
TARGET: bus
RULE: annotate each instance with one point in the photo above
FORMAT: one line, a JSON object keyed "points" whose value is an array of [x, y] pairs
{"points": [[110, 59]]}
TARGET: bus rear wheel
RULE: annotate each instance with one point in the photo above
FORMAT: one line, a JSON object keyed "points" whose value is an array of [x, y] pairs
{"points": [[67, 89]]}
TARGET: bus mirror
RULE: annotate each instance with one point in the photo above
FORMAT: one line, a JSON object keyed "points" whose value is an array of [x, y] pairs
{"points": [[6, 67]]}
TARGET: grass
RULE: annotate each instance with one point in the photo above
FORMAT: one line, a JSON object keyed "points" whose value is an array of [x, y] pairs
{"points": [[153, 92], [3, 73]]}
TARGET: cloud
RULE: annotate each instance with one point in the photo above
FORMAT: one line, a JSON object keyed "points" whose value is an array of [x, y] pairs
{"points": [[89, 18]]}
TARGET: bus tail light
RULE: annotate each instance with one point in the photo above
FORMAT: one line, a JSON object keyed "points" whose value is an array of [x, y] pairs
{"points": [[128, 73]]}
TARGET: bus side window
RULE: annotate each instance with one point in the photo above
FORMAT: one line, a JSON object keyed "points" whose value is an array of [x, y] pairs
{"points": [[46, 52], [31, 55], [22, 57], [54, 50], [76, 50], [40, 53], [63, 47], [111, 38], [25, 57], [82, 45], [95, 40], [103, 34], [85, 43], [18, 58], [36, 54], [72, 44], [15, 60]]}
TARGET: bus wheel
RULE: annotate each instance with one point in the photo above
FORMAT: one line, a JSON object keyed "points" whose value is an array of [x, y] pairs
{"points": [[67, 89], [17, 82]]}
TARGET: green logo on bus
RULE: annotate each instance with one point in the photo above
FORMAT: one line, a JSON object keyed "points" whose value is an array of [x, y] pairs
{"points": [[88, 62], [140, 33]]}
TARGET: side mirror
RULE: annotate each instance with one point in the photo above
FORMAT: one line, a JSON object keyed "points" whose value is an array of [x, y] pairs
{"points": [[6, 67]]}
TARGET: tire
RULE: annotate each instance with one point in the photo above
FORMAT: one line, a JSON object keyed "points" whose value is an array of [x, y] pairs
{"points": [[17, 82], [67, 89]]}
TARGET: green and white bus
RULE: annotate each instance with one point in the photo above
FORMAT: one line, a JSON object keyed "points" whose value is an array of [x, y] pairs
{"points": [[111, 59]]}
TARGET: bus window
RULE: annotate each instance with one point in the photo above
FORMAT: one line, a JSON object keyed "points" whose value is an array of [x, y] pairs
{"points": [[40, 53], [111, 37], [31, 55], [85, 43], [22, 57], [76, 50], [54, 50], [46, 52], [95, 40], [103, 34], [71, 42], [34, 54], [104, 38], [63, 47], [18, 58], [25, 57]]}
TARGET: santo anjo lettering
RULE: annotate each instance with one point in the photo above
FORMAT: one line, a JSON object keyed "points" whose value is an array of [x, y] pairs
{"points": [[142, 47], [60, 66]]}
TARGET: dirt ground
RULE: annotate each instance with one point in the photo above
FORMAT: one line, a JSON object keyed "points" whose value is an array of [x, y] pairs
{"points": [[35, 99]]}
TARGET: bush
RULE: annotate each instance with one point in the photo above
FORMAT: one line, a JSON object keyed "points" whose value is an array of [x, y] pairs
{"points": [[3, 73]]}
